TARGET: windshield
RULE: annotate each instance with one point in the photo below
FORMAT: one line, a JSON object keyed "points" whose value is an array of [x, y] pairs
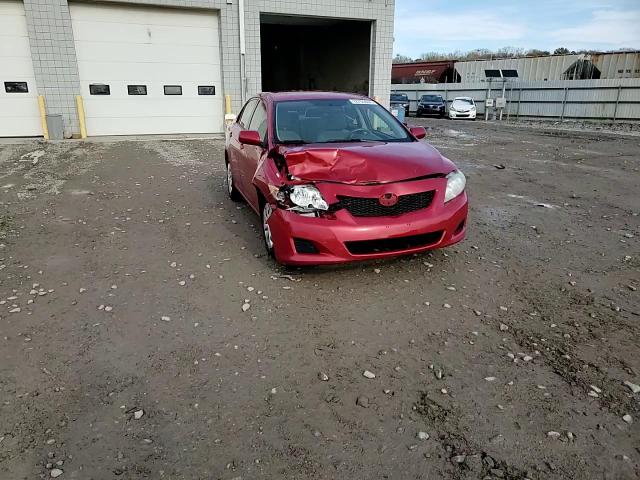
{"points": [[462, 102], [399, 97], [431, 98], [333, 121]]}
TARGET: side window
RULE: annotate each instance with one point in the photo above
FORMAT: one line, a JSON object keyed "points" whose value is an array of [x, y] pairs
{"points": [[99, 89], [16, 87], [173, 90], [259, 121], [206, 90], [378, 123], [247, 111], [137, 89]]}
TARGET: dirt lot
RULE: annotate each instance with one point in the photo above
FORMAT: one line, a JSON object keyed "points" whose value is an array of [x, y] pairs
{"points": [[125, 353]]}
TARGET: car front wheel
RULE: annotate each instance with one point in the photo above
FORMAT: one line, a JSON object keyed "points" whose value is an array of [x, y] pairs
{"points": [[267, 210]]}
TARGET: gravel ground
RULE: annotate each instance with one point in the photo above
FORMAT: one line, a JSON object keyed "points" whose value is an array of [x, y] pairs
{"points": [[125, 352]]}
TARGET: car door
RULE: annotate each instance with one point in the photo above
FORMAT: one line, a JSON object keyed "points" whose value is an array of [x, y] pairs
{"points": [[235, 148], [252, 154]]}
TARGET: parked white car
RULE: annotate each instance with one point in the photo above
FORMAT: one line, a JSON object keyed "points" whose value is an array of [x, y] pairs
{"points": [[462, 107]]}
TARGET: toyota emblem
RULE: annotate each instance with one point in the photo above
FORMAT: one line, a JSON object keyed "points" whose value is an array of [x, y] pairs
{"points": [[388, 199]]}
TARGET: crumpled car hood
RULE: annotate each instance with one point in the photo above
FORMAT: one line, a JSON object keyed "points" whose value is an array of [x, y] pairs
{"points": [[364, 163]]}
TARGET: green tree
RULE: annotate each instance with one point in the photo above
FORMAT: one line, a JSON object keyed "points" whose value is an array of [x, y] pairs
{"points": [[534, 52], [402, 59]]}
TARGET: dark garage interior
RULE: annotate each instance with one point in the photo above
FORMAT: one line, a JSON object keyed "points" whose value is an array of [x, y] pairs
{"points": [[308, 53]]}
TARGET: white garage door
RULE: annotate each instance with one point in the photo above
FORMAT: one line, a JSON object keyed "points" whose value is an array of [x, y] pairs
{"points": [[19, 113], [148, 70]]}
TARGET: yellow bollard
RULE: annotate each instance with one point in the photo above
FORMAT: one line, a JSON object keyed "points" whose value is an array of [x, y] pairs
{"points": [[227, 104], [229, 117], [81, 117], [43, 117]]}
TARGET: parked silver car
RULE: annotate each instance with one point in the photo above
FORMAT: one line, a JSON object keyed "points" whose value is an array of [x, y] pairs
{"points": [[462, 107]]}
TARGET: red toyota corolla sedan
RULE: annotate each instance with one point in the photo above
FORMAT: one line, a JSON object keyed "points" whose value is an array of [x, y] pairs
{"points": [[336, 178]]}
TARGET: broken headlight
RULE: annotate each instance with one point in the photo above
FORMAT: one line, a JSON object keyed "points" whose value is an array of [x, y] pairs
{"points": [[455, 185], [302, 198]]}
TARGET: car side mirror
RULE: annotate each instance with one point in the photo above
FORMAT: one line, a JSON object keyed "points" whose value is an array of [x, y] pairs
{"points": [[418, 132], [250, 137]]}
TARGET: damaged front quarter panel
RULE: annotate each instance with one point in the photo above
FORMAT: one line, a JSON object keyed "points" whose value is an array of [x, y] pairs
{"points": [[271, 176], [285, 191]]}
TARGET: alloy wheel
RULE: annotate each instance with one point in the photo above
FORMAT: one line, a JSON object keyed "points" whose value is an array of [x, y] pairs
{"points": [[267, 210], [229, 179]]}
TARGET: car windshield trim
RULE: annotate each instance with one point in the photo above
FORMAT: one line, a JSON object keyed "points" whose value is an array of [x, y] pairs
{"points": [[337, 120]]}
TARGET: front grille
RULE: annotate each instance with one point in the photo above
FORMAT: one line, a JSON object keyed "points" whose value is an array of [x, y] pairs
{"points": [[367, 247], [371, 207]]}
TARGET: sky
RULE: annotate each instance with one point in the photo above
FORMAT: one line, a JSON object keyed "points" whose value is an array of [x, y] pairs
{"points": [[450, 25]]}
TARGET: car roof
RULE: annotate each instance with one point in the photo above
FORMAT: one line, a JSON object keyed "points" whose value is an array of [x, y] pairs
{"points": [[282, 96]]}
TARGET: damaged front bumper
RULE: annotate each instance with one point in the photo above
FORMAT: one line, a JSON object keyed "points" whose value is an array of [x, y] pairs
{"points": [[340, 237]]}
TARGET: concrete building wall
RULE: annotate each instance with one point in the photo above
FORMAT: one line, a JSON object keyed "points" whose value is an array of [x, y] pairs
{"points": [[54, 56]]}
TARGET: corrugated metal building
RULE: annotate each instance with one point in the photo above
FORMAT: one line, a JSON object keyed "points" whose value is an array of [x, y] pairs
{"points": [[557, 67], [617, 65]]}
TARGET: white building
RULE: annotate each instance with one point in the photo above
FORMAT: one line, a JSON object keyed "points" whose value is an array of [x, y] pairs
{"points": [[164, 66]]}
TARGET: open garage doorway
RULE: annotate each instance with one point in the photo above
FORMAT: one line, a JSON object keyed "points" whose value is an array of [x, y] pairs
{"points": [[310, 53]]}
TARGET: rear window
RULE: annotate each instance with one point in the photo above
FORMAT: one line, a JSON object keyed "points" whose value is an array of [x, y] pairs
{"points": [[399, 97]]}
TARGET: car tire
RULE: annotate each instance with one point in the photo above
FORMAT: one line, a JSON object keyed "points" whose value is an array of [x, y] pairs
{"points": [[265, 212], [232, 191]]}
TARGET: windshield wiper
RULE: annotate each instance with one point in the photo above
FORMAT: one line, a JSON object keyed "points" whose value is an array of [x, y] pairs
{"points": [[292, 142], [350, 140]]}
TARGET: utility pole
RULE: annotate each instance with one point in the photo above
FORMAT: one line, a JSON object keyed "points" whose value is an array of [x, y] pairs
{"points": [[486, 109]]}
